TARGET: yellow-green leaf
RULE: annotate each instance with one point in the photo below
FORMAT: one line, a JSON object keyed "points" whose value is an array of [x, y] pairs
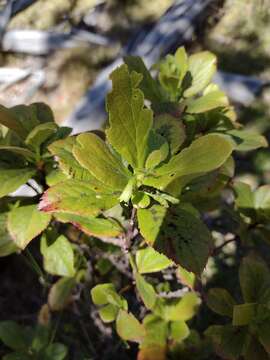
{"points": [[130, 122], [12, 179], [25, 223]]}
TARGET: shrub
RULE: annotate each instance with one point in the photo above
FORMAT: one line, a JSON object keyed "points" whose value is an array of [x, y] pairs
{"points": [[143, 190]]}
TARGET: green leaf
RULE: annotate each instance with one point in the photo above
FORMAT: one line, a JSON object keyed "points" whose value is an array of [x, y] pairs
{"points": [[17, 356], [178, 234], [181, 309], [243, 314], [148, 85], [66, 160], [156, 332], [254, 279], [146, 291], [207, 102], [94, 155], [128, 327], [179, 331], [13, 335], [29, 155], [60, 293], [262, 200], [201, 67], [150, 222], [244, 196], [76, 197], [58, 257], [148, 260], [172, 130], [25, 223], [92, 226], [104, 294], [221, 302], [129, 120], [254, 350], [42, 112], [12, 179], [230, 340], [188, 278], [264, 335], [108, 313], [247, 140], [7, 245], [40, 134], [157, 156], [205, 154], [55, 351], [8, 119]]}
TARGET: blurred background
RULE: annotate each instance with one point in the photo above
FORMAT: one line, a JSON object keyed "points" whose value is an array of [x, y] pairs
{"points": [[62, 51]]}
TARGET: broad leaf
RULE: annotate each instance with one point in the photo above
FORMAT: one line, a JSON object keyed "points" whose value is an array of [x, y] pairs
{"points": [[201, 67], [243, 314], [94, 155], [207, 102], [221, 302], [104, 294], [130, 122], [205, 154], [148, 260], [13, 335], [108, 313], [156, 332], [58, 256], [12, 179], [254, 280], [8, 119], [128, 327], [76, 197], [92, 226], [178, 234], [25, 223], [26, 153]]}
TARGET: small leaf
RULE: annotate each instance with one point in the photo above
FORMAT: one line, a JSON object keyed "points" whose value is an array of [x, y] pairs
{"points": [[243, 314], [201, 67], [207, 102], [148, 85], [60, 293], [153, 352], [221, 302], [156, 332], [8, 119], [104, 294], [29, 155], [13, 335], [129, 120], [179, 331], [55, 351], [25, 223], [254, 279], [128, 327], [181, 309], [12, 179], [157, 156], [247, 140], [172, 130], [58, 256], [148, 260], [146, 291], [108, 313], [40, 134], [7, 246], [264, 335], [188, 278]]}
